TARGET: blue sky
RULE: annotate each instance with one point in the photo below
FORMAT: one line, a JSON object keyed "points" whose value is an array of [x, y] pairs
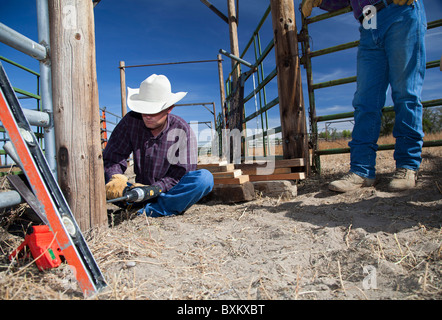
{"points": [[158, 31]]}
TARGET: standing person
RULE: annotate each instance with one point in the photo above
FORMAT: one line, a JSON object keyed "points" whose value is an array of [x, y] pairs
{"points": [[164, 150], [391, 52]]}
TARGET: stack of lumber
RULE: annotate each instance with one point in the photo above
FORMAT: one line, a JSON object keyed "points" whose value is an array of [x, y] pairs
{"points": [[275, 170], [225, 173], [231, 185], [233, 182]]}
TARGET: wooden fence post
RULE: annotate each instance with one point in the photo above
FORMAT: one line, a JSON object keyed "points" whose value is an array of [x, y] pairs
{"points": [[291, 102], [234, 47], [222, 92], [123, 88], [76, 110]]}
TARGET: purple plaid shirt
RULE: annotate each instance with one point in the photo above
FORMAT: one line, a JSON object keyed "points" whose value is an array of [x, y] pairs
{"points": [[161, 160], [357, 5]]}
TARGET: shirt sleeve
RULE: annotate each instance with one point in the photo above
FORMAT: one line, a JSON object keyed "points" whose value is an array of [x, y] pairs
{"points": [[117, 151], [333, 5], [182, 155]]}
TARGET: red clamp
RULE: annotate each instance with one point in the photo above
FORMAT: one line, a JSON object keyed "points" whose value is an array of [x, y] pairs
{"points": [[44, 249]]}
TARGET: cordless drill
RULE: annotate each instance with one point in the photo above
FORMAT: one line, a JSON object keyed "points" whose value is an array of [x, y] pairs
{"points": [[138, 194]]}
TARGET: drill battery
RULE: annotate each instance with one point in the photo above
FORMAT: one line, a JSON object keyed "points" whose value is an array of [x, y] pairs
{"points": [[42, 246]]}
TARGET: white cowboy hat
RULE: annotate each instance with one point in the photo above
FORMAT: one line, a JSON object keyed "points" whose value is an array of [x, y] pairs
{"points": [[153, 96]]}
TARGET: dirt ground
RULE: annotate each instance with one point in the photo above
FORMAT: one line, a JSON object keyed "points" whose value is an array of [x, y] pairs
{"points": [[369, 244]]}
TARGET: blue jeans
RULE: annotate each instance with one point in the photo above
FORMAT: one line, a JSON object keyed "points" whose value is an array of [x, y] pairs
{"points": [[189, 190], [393, 54]]}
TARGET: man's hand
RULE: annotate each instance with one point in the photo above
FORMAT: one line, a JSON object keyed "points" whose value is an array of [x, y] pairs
{"points": [[307, 6], [137, 185], [116, 186], [402, 2]]}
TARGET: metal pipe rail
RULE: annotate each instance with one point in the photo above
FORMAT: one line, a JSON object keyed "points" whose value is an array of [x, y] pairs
{"points": [[21, 43], [39, 51], [15, 64], [259, 90], [10, 199], [36, 118], [345, 115], [429, 143], [337, 82]]}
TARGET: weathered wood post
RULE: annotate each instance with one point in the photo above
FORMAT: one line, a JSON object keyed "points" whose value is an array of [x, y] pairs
{"points": [[123, 88], [222, 92], [76, 110], [291, 102], [236, 103], [233, 32]]}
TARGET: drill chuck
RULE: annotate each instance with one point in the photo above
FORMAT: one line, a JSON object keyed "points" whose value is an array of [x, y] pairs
{"points": [[138, 194], [135, 195]]}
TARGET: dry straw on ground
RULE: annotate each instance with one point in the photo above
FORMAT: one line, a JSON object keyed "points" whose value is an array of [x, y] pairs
{"points": [[369, 244]]}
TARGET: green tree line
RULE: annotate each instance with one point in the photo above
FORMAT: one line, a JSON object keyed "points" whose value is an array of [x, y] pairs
{"points": [[431, 121]]}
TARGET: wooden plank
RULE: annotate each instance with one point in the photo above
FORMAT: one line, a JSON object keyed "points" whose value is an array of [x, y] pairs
{"points": [[252, 171], [212, 164], [298, 162], [288, 176], [228, 174], [213, 169], [238, 180]]}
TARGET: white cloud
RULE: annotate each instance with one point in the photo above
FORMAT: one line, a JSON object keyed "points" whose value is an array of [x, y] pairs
{"points": [[333, 75], [433, 40], [334, 109]]}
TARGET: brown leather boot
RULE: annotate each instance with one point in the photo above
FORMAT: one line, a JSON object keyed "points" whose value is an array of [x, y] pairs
{"points": [[350, 182], [403, 179]]}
